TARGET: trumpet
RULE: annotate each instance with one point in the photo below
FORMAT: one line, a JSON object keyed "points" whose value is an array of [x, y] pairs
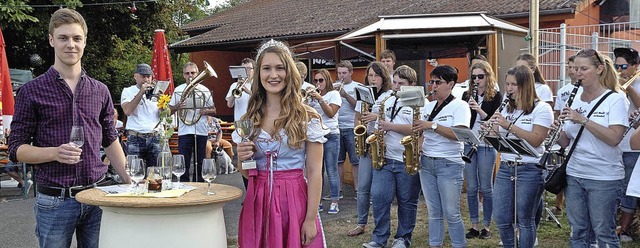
{"points": [[467, 157], [338, 85], [632, 123], [630, 80], [306, 93], [237, 92], [555, 135]]}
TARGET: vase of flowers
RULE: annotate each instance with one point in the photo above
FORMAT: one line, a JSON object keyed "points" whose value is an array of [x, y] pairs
{"points": [[166, 131]]}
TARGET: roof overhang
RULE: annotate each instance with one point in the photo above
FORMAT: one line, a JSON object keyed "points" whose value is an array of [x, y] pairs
{"points": [[427, 23]]}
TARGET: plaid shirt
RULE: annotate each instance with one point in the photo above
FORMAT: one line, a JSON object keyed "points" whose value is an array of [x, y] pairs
{"points": [[44, 114]]}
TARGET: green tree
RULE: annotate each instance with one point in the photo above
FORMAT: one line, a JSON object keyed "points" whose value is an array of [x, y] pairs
{"points": [[118, 39]]}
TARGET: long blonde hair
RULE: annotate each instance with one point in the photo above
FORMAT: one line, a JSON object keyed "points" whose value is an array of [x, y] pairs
{"points": [[294, 115], [490, 87], [609, 76]]}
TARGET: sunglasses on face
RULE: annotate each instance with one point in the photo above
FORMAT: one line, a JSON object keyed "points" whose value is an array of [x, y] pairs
{"points": [[588, 53], [621, 66], [437, 82], [190, 73], [479, 76], [318, 80]]}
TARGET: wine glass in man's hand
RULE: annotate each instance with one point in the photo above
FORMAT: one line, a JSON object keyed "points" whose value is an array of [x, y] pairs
{"points": [[77, 136]]}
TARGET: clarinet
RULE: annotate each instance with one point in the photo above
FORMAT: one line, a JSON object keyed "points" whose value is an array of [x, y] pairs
{"points": [[474, 148], [555, 135]]}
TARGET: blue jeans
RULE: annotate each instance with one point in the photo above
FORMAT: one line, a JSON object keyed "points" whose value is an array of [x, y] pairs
{"points": [[628, 204], [592, 203], [363, 196], [392, 181], [441, 181], [58, 218], [479, 176], [146, 148], [186, 144], [528, 190], [330, 163], [347, 145]]}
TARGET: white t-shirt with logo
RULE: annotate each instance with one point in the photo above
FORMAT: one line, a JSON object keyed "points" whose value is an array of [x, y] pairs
{"points": [[241, 103], [544, 92], [374, 109], [592, 158], [347, 113], [542, 115], [145, 116], [456, 113], [203, 96], [332, 97], [563, 96], [403, 115]]}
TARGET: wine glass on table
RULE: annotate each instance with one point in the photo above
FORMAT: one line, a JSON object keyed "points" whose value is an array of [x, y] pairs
{"points": [[137, 173], [130, 159], [178, 167], [209, 173], [77, 136]]}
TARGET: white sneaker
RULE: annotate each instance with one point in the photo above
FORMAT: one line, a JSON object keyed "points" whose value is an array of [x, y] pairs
{"points": [[536, 243], [625, 237], [333, 209], [398, 243]]}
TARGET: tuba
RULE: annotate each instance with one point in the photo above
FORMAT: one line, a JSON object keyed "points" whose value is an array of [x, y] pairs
{"points": [[376, 140], [193, 99]]}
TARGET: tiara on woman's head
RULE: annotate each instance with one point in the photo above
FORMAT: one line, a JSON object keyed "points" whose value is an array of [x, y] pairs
{"points": [[272, 43]]}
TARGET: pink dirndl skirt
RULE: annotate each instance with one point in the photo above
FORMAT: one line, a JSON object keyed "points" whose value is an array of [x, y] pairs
{"points": [[278, 224]]}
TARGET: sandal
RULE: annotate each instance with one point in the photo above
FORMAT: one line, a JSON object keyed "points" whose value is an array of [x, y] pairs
{"points": [[356, 231]]}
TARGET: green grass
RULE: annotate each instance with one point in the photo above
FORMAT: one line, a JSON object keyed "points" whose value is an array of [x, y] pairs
{"points": [[549, 235]]}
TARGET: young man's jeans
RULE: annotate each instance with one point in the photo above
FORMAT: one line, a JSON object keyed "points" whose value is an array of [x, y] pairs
{"points": [[146, 148], [393, 181], [479, 175], [186, 145], [441, 181], [592, 203], [528, 186], [347, 145], [363, 196], [330, 163], [628, 204], [57, 218]]}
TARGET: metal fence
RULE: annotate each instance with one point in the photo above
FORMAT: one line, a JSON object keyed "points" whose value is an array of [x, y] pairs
{"points": [[557, 44]]}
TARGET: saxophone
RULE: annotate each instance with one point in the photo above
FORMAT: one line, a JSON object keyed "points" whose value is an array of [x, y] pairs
{"points": [[360, 130], [376, 140], [411, 145]]}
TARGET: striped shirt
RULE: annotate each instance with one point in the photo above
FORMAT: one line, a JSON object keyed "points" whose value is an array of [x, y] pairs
{"points": [[44, 115]]}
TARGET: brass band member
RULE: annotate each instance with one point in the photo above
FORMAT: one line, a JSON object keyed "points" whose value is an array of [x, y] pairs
{"points": [[327, 102], [441, 174], [542, 88], [393, 181], [376, 76], [627, 66], [483, 101], [529, 118], [594, 171]]}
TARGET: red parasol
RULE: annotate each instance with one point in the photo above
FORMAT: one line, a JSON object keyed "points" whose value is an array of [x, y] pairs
{"points": [[6, 90], [161, 64]]}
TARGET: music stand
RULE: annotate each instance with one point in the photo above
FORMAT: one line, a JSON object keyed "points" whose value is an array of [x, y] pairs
{"points": [[161, 87], [465, 135], [366, 94], [237, 71], [519, 147]]}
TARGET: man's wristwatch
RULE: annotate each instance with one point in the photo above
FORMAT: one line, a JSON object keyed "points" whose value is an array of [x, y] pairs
{"points": [[434, 125]]}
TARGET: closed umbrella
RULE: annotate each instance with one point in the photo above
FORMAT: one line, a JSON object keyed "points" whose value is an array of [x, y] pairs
{"points": [[6, 91], [160, 63]]}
